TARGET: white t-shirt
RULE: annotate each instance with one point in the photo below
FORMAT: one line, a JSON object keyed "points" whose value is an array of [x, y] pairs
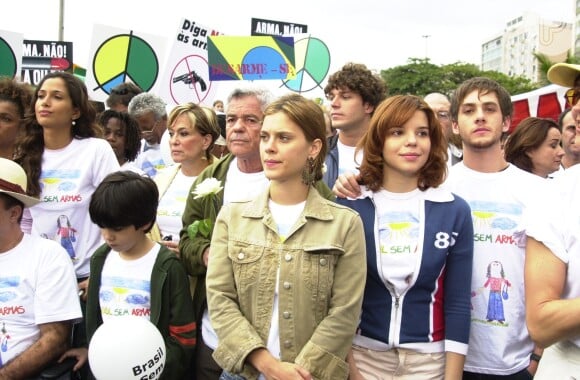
{"points": [[238, 187], [37, 285], [499, 342], [243, 186], [398, 224], [68, 179], [126, 285], [285, 218], [172, 204], [346, 158], [557, 225], [151, 160], [132, 167]]}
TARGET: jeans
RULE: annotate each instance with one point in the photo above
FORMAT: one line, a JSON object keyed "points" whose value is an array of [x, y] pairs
{"points": [[230, 376]]}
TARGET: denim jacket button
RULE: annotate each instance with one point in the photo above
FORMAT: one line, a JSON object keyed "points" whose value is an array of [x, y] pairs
{"points": [[287, 285], [286, 315], [288, 257], [241, 255], [287, 344], [323, 262]]}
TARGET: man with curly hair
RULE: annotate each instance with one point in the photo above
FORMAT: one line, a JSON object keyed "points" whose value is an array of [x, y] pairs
{"points": [[353, 92]]}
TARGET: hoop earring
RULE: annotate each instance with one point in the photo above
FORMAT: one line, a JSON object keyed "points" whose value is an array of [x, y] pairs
{"points": [[308, 172]]}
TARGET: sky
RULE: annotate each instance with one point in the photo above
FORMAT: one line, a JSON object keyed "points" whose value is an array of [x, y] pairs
{"points": [[378, 33]]}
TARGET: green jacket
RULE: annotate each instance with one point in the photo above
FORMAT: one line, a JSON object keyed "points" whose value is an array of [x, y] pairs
{"points": [[191, 250], [171, 308], [320, 271]]}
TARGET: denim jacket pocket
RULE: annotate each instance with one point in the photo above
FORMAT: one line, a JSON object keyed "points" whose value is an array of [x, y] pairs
{"points": [[318, 267], [318, 275], [245, 262]]}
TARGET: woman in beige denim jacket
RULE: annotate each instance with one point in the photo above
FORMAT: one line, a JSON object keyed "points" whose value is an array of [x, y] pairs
{"points": [[287, 272]]}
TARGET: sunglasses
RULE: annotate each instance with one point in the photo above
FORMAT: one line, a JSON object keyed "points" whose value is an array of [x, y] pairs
{"points": [[572, 96]]}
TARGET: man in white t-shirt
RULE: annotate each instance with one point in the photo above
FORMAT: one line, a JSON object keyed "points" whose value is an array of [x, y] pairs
{"points": [[242, 177], [38, 290], [353, 92], [500, 195]]}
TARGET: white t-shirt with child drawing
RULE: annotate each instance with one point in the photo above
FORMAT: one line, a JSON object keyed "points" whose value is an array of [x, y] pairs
{"points": [[172, 204], [37, 285], [398, 220], [151, 161], [499, 342], [126, 285], [68, 179]]}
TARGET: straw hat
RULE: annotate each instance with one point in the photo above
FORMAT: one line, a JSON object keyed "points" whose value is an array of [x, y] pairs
{"points": [[13, 182], [564, 74]]}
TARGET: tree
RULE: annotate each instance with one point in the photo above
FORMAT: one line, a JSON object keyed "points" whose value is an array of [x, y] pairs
{"points": [[544, 64], [420, 77]]}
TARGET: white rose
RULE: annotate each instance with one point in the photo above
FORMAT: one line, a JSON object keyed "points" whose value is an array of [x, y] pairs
{"points": [[207, 187]]}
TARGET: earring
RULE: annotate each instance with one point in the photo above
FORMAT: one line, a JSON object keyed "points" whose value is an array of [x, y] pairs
{"points": [[308, 172], [74, 123]]}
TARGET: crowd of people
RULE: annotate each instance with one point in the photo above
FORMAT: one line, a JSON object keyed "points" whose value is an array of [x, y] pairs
{"points": [[375, 237]]}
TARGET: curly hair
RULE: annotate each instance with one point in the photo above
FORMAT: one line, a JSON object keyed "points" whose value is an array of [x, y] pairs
{"points": [[131, 131], [527, 137], [394, 112], [17, 93], [30, 146], [357, 78]]}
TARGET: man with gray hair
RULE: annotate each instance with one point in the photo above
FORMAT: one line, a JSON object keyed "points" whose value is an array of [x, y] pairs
{"points": [[149, 111]]}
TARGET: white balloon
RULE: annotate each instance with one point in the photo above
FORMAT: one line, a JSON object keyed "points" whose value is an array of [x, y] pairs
{"points": [[127, 348]]}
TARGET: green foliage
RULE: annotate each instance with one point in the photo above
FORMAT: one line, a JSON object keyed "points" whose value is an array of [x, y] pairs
{"points": [[544, 64], [204, 227], [420, 77]]}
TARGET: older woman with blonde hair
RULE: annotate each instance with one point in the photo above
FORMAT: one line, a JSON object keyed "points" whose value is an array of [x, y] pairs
{"points": [[193, 131]]}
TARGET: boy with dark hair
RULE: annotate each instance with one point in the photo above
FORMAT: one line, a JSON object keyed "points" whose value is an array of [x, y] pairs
{"points": [[132, 275]]}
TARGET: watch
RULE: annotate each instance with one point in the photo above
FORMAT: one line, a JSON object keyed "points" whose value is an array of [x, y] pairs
{"points": [[535, 357]]}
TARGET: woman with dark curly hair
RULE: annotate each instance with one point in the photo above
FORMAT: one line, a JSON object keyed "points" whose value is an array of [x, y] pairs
{"points": [[15, 99], [122, 131], [66, 160], [535, 146], [419, 246]]}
